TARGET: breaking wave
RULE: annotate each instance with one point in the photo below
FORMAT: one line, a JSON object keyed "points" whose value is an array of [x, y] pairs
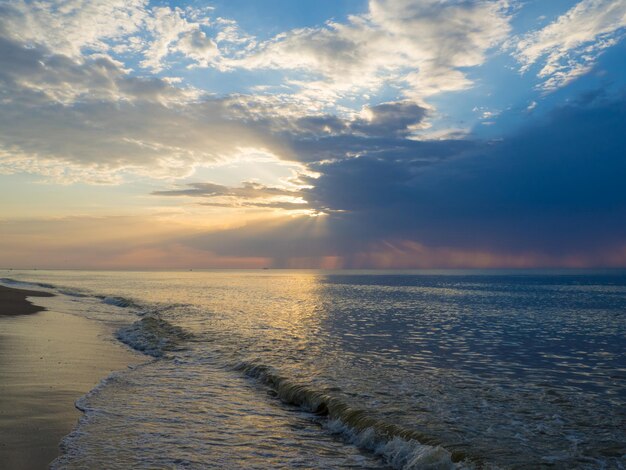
{"points": [[399, 447], [153, 336], [118, 302], [109, 300], [14, 282]]}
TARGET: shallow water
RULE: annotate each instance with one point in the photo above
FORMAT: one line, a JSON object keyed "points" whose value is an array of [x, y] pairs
{"points": [[266, 369]]}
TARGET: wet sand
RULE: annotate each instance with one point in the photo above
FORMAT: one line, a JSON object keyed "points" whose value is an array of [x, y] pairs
{"points": [[14, 302], [47, 361]]}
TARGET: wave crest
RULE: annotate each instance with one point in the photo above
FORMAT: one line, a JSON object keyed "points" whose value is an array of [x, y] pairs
{"points": [[43, 285], [401, 448], [118, 302], [153, 336]]}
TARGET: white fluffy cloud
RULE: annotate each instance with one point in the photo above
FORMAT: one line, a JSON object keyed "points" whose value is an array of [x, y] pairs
{"points": [[71, 112], [76, 27], [68, 27], [420, 46], [172, 31], [197, 46], [569, 47], [87, 119]]}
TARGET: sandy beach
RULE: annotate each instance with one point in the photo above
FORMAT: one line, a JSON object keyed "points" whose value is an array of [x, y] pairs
{"points": [[14, 301], [47, 361]]}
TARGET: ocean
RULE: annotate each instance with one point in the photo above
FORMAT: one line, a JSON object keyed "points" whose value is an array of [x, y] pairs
{"points": [[352, 369]]}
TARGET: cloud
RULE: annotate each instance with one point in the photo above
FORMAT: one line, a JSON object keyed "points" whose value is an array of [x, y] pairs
{"points": [[78, 28], [172, 31], [420, 46], [69, 118], [70, 27], [36, 76], [397, 118], [308, 137], [87, 119], [248, 190], [197, 46], [72, 112], [394, 120], [550, 194], [376, 191], [529, 189], [249, 194], [568, 47], [321, 149]]}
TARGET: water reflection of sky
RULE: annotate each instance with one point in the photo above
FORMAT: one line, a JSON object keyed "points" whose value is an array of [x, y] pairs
{"points": [[510, 368]]}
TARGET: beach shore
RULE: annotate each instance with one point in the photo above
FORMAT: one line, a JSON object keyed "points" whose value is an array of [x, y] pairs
{"points": [[47, 361], [14, 301]]}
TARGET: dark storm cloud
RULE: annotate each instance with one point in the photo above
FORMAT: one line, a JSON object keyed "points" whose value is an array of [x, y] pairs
{"points": [[385, 129], [555, 187], [319, 149], [383, 175], [390, 119]]}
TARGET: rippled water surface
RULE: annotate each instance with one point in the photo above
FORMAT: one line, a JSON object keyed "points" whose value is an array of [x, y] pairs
{"points": [[270, 369]]}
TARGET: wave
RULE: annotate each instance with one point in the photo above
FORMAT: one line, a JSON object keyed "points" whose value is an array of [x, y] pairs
{"points": [[118, 301], [72, 293], [153, 336], [70, 448], [150, 335], [44, 285], [399, 447], [109, 300]]}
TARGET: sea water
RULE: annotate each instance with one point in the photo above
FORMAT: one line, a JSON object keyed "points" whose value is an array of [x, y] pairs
{"points": [[309, 369]]}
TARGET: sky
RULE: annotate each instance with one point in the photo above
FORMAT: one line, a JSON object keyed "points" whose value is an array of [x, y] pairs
{"points": [[329, 134]]}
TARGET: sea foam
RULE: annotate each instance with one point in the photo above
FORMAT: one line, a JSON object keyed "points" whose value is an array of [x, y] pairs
{"points": [[399, 447]]}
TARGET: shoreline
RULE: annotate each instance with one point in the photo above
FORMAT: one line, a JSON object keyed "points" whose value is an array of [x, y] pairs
{"points": [[14, 301], [48, 360]]}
